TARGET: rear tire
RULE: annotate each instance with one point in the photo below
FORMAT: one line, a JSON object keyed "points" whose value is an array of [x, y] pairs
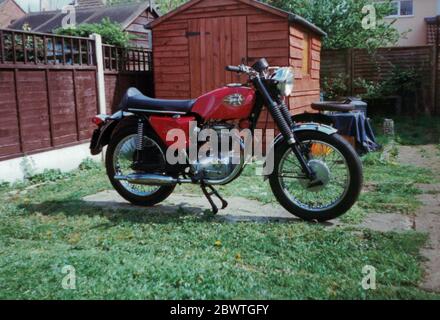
{"points": [[158, 196], [354, 186]]}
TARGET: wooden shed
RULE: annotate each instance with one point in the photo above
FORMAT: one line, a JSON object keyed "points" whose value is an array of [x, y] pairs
{"points": [[193, 44]]}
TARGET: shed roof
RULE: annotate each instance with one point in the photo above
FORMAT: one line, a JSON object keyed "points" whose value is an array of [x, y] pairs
{"points": [[294, 18], [47, 21]]}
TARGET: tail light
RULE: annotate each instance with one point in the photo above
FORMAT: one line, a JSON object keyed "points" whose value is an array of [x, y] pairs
{"points": [[99, 120]]}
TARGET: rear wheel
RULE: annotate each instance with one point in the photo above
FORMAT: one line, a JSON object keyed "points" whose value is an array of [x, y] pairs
{"points": [[119, 161], [339, 177]]}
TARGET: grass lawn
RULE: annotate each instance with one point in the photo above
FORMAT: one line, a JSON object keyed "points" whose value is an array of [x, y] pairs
{"points": [[134, 255]]}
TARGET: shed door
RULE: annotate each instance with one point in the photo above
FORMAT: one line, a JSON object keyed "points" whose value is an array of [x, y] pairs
{"points": [[215, 43]]}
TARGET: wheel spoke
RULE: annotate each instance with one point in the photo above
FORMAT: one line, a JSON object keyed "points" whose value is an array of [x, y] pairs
{"points": [[123, 160], [333, 169]]}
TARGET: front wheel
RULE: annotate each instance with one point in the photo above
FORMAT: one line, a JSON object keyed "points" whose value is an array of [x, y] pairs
{"points": [[339, 177]]}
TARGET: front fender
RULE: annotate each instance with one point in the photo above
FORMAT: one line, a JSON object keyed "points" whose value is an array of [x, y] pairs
{"points": [[306, 127], [300, 128]]}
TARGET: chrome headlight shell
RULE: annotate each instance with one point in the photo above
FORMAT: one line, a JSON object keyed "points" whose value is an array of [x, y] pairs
{"points": [[285, 80]]}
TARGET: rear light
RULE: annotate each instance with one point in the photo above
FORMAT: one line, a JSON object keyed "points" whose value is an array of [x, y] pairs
{"points": [[98, 120]]}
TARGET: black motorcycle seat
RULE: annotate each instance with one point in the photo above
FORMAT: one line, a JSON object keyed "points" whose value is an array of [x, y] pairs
{"points": [[333, 106], [135, 101]]}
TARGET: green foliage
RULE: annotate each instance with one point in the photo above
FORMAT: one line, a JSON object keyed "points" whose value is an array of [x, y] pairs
{"points": [[111, 32], [335, 87], [342, 20], [371, 89], [48, 176], [402, 81], [168, 5], [89, 164], [4, 185]]}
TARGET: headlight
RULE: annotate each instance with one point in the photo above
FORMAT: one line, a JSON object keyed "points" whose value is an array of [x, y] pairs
{"points": [[285, 78]]}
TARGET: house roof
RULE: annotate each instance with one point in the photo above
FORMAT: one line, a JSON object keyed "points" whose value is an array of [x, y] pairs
{"points": [[4, 1], [294, 18], [47, 21], [431, 20]]}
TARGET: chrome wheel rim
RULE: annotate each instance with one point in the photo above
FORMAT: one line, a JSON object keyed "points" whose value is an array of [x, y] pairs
{"points": [[122, 165], [332, 170]]}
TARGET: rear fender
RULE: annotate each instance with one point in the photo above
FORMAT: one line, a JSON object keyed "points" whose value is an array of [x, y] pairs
{"points": [[103, 135]]}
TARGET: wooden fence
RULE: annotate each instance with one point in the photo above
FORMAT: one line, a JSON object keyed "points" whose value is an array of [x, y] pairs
{"points": [[126, 68], [360, 64], [48, 88]]}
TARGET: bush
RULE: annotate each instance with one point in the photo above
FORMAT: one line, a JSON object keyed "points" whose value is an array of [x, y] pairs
{"points": [[111, 32], [336, 87], [89, 164], [402, 82], [48, 175]]}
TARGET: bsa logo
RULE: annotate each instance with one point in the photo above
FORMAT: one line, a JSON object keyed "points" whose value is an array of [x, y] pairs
{"points": [[234, 100]]}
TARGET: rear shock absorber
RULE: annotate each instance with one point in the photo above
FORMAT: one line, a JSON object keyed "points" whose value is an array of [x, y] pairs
{"points": [[140, 136]]}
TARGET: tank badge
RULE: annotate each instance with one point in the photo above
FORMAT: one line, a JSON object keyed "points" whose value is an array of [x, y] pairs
{"points": [[234, 100]]}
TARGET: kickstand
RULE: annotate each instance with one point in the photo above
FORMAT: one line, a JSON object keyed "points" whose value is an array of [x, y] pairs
{"points": [[209, 195]]}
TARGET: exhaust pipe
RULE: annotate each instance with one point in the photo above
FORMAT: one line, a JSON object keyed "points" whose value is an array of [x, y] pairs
{"points": [[151, 179]]}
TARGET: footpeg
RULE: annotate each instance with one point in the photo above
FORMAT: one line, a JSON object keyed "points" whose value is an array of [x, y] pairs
{"points": [[209, 194]]}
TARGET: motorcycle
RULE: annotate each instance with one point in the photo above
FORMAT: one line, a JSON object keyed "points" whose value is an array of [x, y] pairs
{"points": [[316, 174]]}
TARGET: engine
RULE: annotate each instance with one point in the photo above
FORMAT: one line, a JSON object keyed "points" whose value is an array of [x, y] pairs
{"points": [[215, 163]]}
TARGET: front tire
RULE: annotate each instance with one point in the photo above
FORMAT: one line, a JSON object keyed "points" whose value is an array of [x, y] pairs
{"points": [[309, 203], [146, 198]]}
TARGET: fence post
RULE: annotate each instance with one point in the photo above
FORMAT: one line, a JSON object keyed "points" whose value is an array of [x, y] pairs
{"points": [[100, 73], [350, 67]]}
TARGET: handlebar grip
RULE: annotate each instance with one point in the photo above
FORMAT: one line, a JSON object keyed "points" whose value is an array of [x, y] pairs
{"points": [[233, 69]]}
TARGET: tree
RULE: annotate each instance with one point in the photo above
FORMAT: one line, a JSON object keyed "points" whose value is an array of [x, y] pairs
{"points": [[348, 23], [111, 32], [163, 5], [168, 5]]}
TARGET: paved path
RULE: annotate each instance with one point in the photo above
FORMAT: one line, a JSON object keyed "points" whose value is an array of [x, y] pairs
{"points": [[242, 209], [239, 209], [427, 218]]}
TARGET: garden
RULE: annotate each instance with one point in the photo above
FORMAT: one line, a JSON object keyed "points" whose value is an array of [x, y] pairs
{"points": [[170, 252]]}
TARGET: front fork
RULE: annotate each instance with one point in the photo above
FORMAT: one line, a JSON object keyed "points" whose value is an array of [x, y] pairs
{"points": [[281, 115]]}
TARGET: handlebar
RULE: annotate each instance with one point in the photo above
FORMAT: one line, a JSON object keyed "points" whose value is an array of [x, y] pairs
{"points": [[234, 69]]}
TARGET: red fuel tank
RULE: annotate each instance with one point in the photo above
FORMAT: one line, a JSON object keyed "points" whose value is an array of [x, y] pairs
{"points": [[227, 103]]}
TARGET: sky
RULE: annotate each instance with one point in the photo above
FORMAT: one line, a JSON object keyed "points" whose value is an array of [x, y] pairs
{"points": [[34, 5]]}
